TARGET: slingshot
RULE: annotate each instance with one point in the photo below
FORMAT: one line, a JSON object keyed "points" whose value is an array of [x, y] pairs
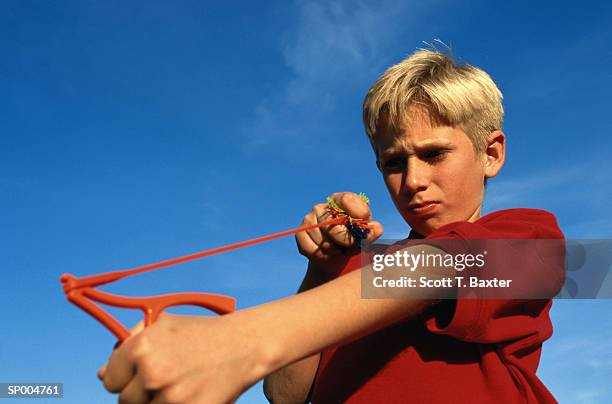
{"points": [[82, 292]]}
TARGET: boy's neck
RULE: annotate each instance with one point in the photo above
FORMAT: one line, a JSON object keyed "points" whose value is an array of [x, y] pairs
{"points": [[414, 235]]}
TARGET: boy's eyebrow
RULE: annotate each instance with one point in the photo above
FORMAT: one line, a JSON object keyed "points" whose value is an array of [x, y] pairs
{"points": [[434, 143], [399, 147]]}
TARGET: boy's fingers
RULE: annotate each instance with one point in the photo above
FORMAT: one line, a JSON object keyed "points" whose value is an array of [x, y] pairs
{"points": [[356, 208], [352, 204], [102, 371], [308, 240], [118, 371], [318, 236], [376, 230], [135, 391], [306, 246], [321, 241], [340, 234], [319, 214], [343, 237], [312, 250]]}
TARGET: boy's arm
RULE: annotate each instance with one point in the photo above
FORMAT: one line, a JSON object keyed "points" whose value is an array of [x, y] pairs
{"points": [[292, 383], [331, 314], [218, 358]]}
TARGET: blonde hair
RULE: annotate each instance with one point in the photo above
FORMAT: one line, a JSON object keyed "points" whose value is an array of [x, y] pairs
{"points": [[463, 96]]}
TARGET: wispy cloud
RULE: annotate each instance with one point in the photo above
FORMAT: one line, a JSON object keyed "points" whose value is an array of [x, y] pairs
{"points": [[582, 192], [333, 40], [595, 351], [548, 185], [587, 397], [579, 353], [333, 49]]}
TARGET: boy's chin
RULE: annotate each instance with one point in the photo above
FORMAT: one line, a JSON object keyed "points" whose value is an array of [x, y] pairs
{"points": [[428, 226], [431, 224], [421, 228]]}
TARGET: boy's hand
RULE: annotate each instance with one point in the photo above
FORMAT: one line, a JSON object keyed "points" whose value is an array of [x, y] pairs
{"points": [[326, 247], [183, 359]]}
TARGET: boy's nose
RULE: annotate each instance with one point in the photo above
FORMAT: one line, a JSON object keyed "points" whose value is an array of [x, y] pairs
{"points": [[417, 175]]}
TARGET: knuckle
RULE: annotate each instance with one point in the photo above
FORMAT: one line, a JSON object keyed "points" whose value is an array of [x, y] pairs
{"points": [[321, 212], [336, 231], [347, 198], [301, 249], [308, 253], [175, 394], [152, 376], [101, 373], [139, 348], [112, 385], [108, 385], [328, 248], [300, 240], [377, 229], [307, 219], [320, 209], [341, 237], [319, 255], [123, 399]]}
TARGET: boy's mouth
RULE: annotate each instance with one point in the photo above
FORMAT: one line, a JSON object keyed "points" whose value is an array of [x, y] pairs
{"points": [[423, 208]]}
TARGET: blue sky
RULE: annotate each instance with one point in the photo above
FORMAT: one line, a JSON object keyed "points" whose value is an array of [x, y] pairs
{"points": [[137, 131]]}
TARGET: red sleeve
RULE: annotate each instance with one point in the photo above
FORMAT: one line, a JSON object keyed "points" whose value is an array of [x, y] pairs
{"points": [[479, 315]]}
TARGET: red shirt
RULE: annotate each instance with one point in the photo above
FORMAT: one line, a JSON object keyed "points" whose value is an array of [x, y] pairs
{"points": [[464, 350]]}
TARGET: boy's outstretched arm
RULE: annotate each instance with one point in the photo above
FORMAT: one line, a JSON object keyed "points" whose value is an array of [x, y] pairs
{"points": [[213, 360], [292, 383], [326, 252]]}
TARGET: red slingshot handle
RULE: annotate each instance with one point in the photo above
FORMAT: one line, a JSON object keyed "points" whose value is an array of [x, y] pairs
{"points": [[151, 306]]}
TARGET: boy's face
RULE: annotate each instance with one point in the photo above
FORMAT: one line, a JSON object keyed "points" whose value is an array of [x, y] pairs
{"points": [[433, 173]]}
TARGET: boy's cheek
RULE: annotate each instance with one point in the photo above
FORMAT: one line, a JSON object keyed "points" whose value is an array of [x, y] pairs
{"points": [[393, 184]]}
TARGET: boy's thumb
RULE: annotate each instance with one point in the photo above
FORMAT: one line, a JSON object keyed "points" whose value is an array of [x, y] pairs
{"points": [[355, 207]]}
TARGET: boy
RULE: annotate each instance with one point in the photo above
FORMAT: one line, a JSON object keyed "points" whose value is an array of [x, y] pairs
{"points": [[435, 128]]}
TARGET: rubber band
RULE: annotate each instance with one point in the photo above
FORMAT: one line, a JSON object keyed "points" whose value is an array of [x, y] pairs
{"points": [[358, 228]]}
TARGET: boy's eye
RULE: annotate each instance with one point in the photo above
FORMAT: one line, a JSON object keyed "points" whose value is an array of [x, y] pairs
{"points": [[396, 163], [434, 155]]}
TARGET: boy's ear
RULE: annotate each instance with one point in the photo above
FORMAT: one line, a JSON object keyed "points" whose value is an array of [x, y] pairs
{"points": [[495, 153]]}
